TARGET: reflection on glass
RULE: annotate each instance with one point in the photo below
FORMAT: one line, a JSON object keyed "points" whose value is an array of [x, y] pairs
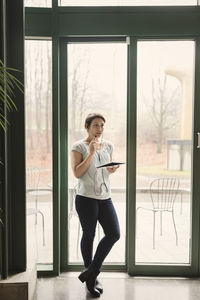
{"points": [[97, 83], [38, 86], [38, 3], [164, 146], [127, 2]]}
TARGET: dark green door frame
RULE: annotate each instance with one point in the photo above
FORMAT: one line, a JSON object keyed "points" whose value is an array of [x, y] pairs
{"points": [[113, 21], [133, 269], [65, 265], [61, 111], [63, 157], [161, 270], [196, 161], [140, 23]]}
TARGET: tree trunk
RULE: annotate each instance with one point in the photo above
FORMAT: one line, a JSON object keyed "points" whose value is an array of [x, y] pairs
{"points": [[160, 140], [39, 95], [48, 99]]}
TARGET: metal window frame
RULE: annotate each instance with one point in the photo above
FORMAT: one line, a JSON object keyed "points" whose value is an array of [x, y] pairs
{"points": [[65, 265], [140, 23], [162, 269]]}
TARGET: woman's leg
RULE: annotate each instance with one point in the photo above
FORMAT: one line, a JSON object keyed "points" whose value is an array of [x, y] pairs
{"points": [[88, 211], [109, 221]]}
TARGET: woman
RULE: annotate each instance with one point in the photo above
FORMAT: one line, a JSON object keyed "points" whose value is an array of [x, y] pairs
{"points": [[93, 202]]}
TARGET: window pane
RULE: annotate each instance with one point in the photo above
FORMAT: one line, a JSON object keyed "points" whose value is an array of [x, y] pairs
{"points": [[97, 80], [38, 86], [164, 149], [38, 3], [126, 2]]}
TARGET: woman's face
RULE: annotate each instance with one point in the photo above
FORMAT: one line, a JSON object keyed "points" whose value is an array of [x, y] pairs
{"points": [[96, 128]]}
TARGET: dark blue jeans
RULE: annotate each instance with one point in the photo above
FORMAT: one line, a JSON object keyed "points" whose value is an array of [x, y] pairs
{"points": [[90, 211]]}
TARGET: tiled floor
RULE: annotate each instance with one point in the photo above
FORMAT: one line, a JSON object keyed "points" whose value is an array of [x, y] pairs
{"points": [[119, 286]]}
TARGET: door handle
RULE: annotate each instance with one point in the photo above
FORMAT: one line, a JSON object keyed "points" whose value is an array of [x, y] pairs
{"points": [[198, 142]]}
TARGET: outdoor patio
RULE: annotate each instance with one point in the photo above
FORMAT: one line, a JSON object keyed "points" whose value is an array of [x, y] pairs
{"points": [[166, 250]]}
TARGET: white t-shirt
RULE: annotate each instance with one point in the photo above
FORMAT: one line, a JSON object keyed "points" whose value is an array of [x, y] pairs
{"points": [[95, 183]]}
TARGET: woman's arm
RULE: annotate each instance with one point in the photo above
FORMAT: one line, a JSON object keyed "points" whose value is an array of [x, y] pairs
{"points": [[114, 168], [80, 166]]}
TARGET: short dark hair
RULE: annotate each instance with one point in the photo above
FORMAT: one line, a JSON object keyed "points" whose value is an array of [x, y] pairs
{"points": [[91, 117]]}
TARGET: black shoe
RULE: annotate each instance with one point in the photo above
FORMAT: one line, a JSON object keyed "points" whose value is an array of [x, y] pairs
{"points": [[84, 275], [99, 286], [91, 286], [89, 277]]}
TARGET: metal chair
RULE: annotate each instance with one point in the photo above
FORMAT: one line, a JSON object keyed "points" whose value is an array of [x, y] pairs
{"points": [[33, 179], [163, 192], [73, 212]]}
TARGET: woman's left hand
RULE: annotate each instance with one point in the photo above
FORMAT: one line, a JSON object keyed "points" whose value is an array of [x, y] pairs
{"points": [[112, 169]]}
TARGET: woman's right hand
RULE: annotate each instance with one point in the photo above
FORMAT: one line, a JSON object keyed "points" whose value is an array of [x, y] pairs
{"points": [[92, 146]]}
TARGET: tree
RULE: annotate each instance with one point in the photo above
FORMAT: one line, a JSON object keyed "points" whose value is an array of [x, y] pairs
{"points": [[48, 98], [164, 107], [80, 71]]}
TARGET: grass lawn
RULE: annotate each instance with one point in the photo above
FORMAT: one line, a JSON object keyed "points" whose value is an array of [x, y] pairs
{"points": [[159, 170]]}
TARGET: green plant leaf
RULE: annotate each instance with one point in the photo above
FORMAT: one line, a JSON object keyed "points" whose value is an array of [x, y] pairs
{"points": [[9, 103], [1, 222], [8, 82]]}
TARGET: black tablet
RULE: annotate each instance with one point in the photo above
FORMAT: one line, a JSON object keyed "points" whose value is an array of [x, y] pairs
{"points": [[111, 164]]}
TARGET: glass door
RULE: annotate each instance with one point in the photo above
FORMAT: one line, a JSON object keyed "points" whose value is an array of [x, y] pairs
{"points": [[96, 81], [39, 160], [164, 145], [164, 151], [159, 212]]}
